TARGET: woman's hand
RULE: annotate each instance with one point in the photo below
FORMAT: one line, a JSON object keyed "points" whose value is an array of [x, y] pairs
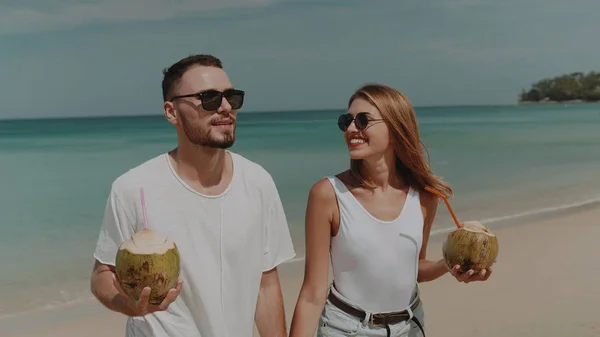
{"points": [[470, 275]]}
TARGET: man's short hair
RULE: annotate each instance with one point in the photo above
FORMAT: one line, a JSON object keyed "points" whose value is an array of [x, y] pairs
{"points": [[173, 74]]}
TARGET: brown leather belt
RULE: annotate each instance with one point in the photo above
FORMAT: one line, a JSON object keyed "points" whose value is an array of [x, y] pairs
{"points": [[384, 319], [387, 318]]}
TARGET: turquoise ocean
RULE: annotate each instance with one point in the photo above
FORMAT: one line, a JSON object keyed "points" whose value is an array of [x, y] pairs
{"points": [[503, 162]]}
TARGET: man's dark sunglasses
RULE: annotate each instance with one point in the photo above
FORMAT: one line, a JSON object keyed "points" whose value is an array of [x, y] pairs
{"points": [[361, 120], [211, 99]]}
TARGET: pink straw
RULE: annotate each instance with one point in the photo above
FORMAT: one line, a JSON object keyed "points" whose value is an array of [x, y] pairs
{"points": [[144, 208]]}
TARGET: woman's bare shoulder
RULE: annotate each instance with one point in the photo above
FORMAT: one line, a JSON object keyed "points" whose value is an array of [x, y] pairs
{"points": [[322, 190]]}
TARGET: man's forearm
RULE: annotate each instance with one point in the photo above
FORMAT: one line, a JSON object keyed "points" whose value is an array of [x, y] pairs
{"points": [[270, 315], [103, 289]]}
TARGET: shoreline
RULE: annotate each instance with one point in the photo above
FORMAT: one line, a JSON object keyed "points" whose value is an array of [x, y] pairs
{"points": [[555, 255], [517, 219]]}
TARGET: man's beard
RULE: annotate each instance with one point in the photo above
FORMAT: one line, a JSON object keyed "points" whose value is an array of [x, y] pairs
{"points": [[202, 136]]}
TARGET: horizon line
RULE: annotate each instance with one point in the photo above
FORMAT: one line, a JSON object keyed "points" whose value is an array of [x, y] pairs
{"points": [[246, 112]]}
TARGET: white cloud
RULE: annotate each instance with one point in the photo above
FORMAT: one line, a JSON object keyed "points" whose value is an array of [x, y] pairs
{"points": [[66, 14]]}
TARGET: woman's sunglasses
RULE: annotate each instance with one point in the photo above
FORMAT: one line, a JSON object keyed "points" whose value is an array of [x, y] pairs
{"points": [[211, 99], [361, 120]]}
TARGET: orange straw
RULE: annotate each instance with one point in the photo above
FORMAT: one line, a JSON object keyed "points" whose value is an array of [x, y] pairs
{"points": [[447, 204]]}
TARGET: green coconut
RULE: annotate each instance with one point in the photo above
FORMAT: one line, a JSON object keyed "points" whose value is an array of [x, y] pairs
{"points": [[472, 246], [148, 259]]}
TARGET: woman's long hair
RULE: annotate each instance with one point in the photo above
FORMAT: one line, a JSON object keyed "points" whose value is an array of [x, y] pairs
{"points": [[398, 113]]}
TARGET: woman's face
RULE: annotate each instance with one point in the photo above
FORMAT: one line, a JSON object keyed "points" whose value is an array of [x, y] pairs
{"points": [[366, 135]]}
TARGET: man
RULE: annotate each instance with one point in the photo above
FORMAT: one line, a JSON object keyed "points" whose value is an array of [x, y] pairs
{"points": [[222, 210]]}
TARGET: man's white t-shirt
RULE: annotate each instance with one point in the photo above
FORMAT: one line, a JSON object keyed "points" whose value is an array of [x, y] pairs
{"points": [[225, 242]]}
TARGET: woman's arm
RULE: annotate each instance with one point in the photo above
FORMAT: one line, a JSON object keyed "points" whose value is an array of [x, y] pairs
{"points": [[429, 270], [311, 300]]}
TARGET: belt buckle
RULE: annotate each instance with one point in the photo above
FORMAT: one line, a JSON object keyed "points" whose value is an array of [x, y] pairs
{"points": [[372, 320], [386, 316]]}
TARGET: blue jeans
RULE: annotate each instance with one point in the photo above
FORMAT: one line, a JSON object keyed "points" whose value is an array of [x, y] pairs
{"points": [[336, 323]]}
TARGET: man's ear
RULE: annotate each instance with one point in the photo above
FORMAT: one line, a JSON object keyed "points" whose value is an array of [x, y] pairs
{"points": [[170, 112]]}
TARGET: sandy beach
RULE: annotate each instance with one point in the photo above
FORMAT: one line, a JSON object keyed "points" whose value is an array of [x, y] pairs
{"points": [[544, 284]]}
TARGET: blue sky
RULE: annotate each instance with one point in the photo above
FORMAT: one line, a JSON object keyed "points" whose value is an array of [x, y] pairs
{"points": [[104, 57]]}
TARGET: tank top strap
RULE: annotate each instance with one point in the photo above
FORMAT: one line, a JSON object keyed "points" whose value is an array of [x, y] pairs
{"points": [[344, 196], [348, 207], [412, 198], [338, 186]]}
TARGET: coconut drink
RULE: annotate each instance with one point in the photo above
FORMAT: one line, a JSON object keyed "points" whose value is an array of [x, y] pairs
{"points": [[148, 259], [471, 246]]}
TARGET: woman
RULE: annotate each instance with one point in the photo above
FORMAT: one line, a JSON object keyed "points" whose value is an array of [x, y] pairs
{"points": [[374, 219]]}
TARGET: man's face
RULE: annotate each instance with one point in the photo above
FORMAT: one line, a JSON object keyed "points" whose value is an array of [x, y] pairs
{"points": [[201, 127]]}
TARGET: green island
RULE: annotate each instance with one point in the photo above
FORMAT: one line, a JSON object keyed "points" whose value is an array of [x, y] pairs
{"points": [[572, 88]]}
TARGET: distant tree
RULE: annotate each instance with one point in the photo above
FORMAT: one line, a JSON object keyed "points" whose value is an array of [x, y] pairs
{"points": [[574, 86]]}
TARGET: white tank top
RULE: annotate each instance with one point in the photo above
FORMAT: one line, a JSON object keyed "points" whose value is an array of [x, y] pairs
{"points": [[375, 262]]}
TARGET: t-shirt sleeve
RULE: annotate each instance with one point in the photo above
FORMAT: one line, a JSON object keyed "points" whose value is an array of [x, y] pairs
{"points": [[278, 242], [117, 226]]}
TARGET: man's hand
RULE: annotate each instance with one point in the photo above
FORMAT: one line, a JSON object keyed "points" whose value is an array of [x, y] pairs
{"points": [[141, 307], [106, 288]]}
